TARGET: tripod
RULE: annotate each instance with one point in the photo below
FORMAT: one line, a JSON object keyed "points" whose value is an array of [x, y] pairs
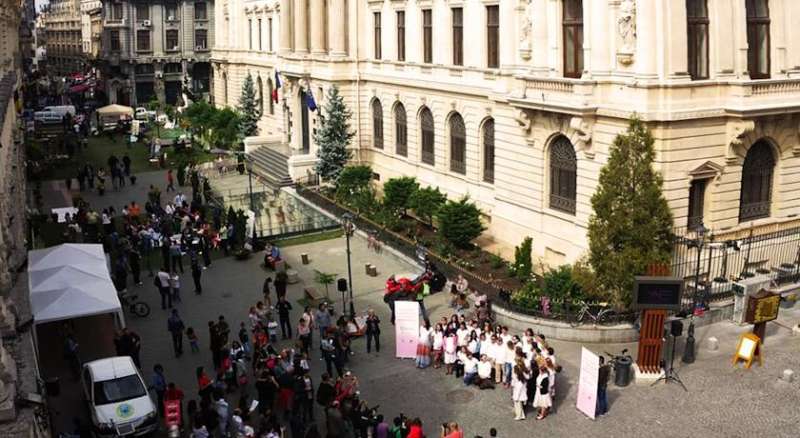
{"points": [[671, 375]]}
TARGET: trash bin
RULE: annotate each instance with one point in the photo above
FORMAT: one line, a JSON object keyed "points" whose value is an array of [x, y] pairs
{"points": [[52, 387], [622, 371]]}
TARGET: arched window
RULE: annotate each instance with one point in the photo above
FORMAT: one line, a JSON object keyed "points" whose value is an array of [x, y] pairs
{"points": [[260, 85], [488, 151], [377, 124], [563, 175], [458, 144], [426, 122], [400, 130], [271, 101], [756, 193]]}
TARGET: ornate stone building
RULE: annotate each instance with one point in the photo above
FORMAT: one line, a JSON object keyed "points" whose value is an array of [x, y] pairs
{"points": [[91, 28], [515, 102], [62, 23], [151, 46]]}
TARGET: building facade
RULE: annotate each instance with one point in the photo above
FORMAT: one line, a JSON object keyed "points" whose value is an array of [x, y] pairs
{"points": [[515, 103], [151, 47], [63, 36], [91, 28]]}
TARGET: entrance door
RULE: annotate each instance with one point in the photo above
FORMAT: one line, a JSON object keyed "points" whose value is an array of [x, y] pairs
{"points": [[304, 122]]}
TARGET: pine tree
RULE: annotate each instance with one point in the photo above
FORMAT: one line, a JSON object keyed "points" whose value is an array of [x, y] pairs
{"points": [[333, 137], [632, 224], [249, 109]]}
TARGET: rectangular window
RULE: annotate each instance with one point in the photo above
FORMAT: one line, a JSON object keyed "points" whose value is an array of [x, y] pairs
{"points": [[492, 36], [142, 12], [172, 40], [697, 32], [115, 45], [143, 40], [758, 39], [427, 36], [573, 38], [269, 33], [458, 36], [401, 36], [250, 33], [171, 12], [201, 39], [260, 39], [200, 11], [116, 11], [696, 199], [377, 34]]}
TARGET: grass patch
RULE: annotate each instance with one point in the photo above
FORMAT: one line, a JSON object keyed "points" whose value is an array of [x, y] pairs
{"points": [[310, 238]]}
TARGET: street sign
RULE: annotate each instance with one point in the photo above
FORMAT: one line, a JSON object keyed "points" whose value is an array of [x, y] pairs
{"points": [[762, 307]]}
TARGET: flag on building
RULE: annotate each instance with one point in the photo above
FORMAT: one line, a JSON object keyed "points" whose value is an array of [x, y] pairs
{"points": [[310, 102], [277, 86]]}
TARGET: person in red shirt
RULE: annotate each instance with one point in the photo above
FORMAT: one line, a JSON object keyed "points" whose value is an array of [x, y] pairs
{"points": [[415, 431], [204, 387], [451, 431], [176, 394]]}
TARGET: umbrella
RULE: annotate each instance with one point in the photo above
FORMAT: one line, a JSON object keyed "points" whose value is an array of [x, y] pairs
{"points": [[80, 88]]}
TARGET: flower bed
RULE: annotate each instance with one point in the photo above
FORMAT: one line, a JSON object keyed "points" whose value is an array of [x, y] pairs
{"points": [[479, 267]]}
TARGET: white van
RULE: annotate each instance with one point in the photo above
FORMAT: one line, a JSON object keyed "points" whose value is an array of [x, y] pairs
{"points": [[117, 397], [61, 110], [47, 117]]}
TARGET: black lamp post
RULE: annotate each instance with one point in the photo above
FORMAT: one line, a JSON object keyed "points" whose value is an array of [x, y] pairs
{"points": [[349, 228], [699, 243]]}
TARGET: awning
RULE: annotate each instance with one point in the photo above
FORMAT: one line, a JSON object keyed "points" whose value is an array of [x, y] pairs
{"points": [[80, 88]]}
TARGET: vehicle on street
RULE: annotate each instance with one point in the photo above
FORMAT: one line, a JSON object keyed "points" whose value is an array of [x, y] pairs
{"points": [[142, 113], [117, 398]]}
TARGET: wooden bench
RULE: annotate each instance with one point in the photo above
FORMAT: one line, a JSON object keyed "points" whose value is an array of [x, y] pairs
{"points": [[312, 294]]}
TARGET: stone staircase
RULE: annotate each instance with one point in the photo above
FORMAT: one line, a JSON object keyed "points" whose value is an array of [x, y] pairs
{"points": [[272, 166]]}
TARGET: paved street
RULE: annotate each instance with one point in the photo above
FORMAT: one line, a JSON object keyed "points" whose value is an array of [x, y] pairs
{"points": [[721, 401]]}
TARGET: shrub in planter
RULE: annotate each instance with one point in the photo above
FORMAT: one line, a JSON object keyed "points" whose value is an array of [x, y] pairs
{"points": [[460, 222], [398, 192], [496, 262], [528, 297], [426, 203], [523, 265], [559, 285]]}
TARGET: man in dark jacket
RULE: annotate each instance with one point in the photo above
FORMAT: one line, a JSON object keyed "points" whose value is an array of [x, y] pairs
{"points": [[176, 327], [602, 384], [373, 331], [283, 308]]}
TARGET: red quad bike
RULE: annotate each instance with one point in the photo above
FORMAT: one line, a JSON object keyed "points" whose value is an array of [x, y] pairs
{"points": [[404, 289]]}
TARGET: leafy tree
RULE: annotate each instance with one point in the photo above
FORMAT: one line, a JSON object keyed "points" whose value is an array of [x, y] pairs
{"points": [[333, 137], [460, 222], [248, 108], [426, 203], [632, 224], [225, 133], [397, 193], [325, 279], [355, 188]]}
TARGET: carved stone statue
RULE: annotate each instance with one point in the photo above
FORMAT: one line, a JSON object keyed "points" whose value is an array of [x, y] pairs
{"points": [[626, 26], [187, 97], [525, 28]]}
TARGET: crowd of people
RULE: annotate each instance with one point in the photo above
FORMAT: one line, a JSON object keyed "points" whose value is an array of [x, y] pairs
{"points": [[488, 355]]}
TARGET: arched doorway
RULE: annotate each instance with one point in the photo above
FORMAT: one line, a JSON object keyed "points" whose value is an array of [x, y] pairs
{"points": [[304, 121]]}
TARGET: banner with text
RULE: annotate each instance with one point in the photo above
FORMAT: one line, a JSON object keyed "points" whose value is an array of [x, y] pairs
{"points": [[406, 328], [587, 383]]}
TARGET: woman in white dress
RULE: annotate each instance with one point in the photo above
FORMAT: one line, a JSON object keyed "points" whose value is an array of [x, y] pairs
{"points": [[438, 345], [424, 345], [519, 391], [450, 348], [542, 399]]}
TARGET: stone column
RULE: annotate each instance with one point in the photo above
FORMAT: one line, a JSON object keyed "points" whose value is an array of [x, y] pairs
{"points": [[539, 44], [318, 17], [643, 39], [300, 26], [675, 40], [285, 24], [337, 24]]}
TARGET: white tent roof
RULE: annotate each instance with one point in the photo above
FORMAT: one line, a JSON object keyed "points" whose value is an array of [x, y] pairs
{"points": [[115, 109], [70, 281]]}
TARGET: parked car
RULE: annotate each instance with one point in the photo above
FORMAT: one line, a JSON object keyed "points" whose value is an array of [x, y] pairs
{"points": [[117, 398], [142, 113]]}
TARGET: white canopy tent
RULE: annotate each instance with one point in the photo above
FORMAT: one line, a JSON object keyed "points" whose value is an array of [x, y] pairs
{"points": [[71, 281]]}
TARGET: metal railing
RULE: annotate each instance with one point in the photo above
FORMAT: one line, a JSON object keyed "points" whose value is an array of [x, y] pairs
{"points": [[711, 262]]}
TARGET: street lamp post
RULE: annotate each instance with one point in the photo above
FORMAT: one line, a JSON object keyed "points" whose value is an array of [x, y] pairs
{"points": [[347, 223]]}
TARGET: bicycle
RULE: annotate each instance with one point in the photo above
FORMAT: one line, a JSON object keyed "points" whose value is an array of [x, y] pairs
{"points": [[602, 314], [136, 307]]}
